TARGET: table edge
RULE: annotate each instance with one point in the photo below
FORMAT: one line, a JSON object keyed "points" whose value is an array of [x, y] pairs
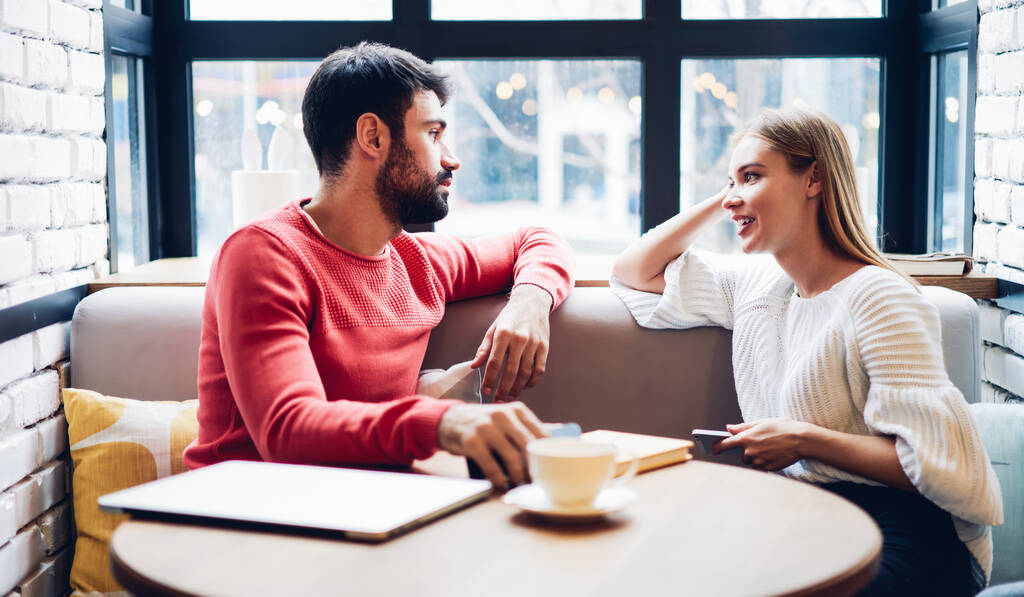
{"points": [[134, 581], [848, 583]]}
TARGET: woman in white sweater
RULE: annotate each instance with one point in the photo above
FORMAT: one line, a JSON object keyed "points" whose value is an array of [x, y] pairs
{"points": [[836, 356]]}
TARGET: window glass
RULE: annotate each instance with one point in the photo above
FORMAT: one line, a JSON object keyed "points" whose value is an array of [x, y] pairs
{"points": [[780, 9], [945, 3], [230, 98], [719, 96], [534, 10], [550, 142], [541, 142], [951, 152], [293, 10], [129, 4], [128, 196]]}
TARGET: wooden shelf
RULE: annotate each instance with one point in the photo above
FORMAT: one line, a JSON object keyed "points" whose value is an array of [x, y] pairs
{"points": [[193, 271], [979, 286], [172, 271]]}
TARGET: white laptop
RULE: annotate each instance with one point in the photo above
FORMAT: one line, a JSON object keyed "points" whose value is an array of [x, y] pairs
{"points": [[354, 503]]}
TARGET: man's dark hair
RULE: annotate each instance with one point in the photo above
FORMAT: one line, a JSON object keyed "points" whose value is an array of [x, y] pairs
{"points": [[369, 77]]}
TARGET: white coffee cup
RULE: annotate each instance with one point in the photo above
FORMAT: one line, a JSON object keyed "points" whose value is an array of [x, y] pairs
{"points": [[572, 471]]}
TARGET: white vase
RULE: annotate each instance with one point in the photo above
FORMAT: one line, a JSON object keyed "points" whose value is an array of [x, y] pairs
{"points": [[256, 192]]}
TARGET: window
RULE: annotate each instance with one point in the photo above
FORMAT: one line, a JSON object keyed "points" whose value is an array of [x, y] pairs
{"points": [[552, 142], [583, 115], [949, 40], [534, 10], [720, 95], [780, 9], [293, 10], [264, 98], [127, 187], [127, 41], [548, 141], [951, 147]]}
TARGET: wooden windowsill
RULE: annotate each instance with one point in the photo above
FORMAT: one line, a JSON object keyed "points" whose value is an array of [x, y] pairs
{"points": [[979, 286], [172, 271], [192, 271]]}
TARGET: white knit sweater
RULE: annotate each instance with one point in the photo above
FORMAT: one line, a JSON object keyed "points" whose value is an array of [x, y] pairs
{"points": [[863, 357]]}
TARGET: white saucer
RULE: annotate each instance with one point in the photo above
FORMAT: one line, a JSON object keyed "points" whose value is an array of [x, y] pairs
{"points": [[531, 498]]}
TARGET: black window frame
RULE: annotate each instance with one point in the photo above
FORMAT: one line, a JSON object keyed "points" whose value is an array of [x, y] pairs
{"points": [[129, 33], [660, 40], [944, 30]]}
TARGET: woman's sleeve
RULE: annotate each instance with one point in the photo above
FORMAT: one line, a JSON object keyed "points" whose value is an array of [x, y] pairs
{"points": [[911, 397], [699, 291]]}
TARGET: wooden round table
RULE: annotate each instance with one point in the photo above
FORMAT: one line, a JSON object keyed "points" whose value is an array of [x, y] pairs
{"points": [[696, 529]]}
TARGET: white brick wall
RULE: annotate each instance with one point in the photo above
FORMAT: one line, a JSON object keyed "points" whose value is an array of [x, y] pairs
{"points": [[51, 159], [69, 24], [17, 152], [983, 157], [999, 188], [53, 236], [47, 578], [15, 359], [12, 56], [86, 71], [1010, 72], [22, 108], [54, 250], [1017, 205], [28, 207], [985, 240], [19, 557], [17, 261], [25, 16], [995, 116], [68, 113], [46, 64]]}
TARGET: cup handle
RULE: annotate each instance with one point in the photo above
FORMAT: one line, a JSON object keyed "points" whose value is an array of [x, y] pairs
{"points": [[634, 464]]}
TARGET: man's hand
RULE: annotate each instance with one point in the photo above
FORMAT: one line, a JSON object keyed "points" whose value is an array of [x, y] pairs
{"points": [[477, 430], [769, 444], [518, 337]]}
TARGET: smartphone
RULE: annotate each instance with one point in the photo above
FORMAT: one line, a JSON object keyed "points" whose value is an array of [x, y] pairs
{"points": [[553, 429], [709, 437]]}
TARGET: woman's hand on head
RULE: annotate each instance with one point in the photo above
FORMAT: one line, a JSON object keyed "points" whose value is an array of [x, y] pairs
{"points": [[768, 444]]}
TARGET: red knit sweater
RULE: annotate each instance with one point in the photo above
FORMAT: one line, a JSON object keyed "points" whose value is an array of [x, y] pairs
{"points": [[311, 353]]}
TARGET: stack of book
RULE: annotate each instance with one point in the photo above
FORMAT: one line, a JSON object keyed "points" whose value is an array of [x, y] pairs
{"points": [[931, 264]]}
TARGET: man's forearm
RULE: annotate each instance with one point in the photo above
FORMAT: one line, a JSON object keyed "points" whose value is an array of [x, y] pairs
{"points": [[544, 259], [528, 295]]}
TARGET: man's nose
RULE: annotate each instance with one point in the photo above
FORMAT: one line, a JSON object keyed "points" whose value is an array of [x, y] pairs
{"points": [[449, 161]]}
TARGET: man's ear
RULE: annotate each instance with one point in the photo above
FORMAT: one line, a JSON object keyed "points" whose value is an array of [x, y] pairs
{"points": [[813, 181], [372, 136]]}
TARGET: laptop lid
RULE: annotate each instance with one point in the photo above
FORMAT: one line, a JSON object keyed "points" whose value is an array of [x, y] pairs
{"points": [[358, 504]]}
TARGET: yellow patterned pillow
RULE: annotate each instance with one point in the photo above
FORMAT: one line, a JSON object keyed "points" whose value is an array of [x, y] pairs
{"points": [[117, 443]]}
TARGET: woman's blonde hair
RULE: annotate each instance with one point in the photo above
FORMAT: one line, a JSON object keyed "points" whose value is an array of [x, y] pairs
{"points": [[806, 136]]}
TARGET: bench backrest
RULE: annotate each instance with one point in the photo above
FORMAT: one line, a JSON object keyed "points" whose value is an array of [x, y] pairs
{"points": [[604, 371]]}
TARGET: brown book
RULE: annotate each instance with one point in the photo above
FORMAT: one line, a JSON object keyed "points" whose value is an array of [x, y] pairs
{"points": [[932, 264], [651, 450]]}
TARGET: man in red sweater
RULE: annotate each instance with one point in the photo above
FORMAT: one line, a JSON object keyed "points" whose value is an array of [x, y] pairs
{"points": [[317, 316]]}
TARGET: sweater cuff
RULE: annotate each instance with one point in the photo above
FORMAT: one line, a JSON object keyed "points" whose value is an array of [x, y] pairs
{"points": [[423, 423], [551, 282]]}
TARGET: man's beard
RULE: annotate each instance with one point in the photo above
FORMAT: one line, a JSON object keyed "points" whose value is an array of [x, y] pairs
{"points": [[408, 194]]}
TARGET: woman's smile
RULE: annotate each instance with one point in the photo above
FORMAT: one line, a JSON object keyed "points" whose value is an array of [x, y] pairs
{"points": [[744, 224]]}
